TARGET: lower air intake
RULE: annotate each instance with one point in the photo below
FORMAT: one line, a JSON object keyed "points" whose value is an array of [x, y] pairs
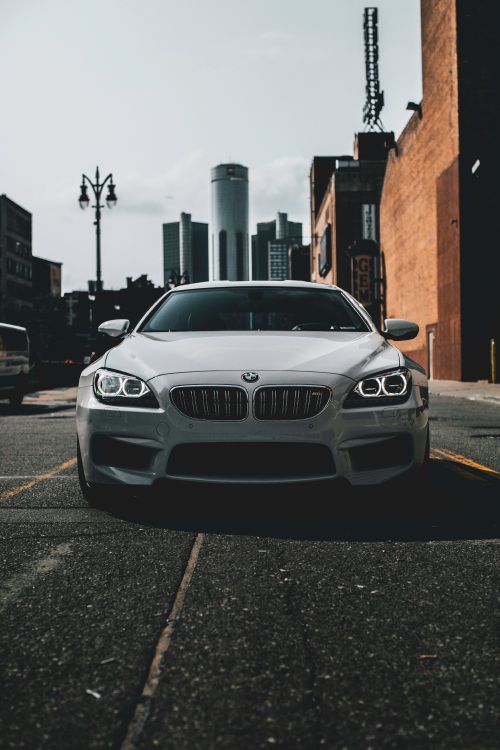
{"points": [[251, 461]]}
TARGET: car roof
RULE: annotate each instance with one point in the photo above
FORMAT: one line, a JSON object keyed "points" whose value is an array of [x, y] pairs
{"points": [[285, 283]]}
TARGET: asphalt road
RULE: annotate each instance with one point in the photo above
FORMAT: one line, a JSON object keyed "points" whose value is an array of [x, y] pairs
{"points": [[202, 618]]}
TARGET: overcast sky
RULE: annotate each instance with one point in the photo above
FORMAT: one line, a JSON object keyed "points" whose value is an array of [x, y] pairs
{"points": [[158, 91]]}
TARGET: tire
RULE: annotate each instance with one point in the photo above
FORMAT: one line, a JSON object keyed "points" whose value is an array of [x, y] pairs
{"points": [[17, 395], [421, 472], [16, 398], [418, 475], [427, 455], [94, 494]]}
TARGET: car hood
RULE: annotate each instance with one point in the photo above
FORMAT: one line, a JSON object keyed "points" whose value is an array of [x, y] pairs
{"points": [[345, 353]]}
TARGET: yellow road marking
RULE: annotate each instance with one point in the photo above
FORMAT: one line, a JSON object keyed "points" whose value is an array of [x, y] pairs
{"points": [[28, 485], [452, 456]]}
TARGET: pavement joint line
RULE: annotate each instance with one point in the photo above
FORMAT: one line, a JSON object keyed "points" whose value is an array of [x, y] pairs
{"points": [[143, 707], [39, 478], [35, 476], [452, 456]]}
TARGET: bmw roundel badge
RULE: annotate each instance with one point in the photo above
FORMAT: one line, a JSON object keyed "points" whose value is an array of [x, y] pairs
{"points": [[250, 377]]}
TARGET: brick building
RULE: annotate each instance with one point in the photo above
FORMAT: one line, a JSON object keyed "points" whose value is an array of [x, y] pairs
{"points": [[441, 196], [345, 196]]}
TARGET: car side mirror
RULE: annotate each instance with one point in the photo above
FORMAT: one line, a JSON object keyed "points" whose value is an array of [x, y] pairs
{"points": [[114, 328], [400, 330]]}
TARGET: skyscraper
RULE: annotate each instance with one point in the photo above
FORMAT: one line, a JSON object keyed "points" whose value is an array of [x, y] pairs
{"points": [[185, 250], [270, 247], [266, 232], [230, 256]]}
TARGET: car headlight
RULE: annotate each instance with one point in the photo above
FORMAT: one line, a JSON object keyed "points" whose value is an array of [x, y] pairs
{"points": [[384, 389], [119, 389]]}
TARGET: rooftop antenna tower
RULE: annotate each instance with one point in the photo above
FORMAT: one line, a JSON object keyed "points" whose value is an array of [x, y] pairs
{"points": [[374, 96]]}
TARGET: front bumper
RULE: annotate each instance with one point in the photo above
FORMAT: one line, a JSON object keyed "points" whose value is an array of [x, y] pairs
{"points": [[139, 446]]}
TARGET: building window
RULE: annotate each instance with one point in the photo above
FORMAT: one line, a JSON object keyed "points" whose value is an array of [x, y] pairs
{"points": [[325, 251], [239, 256], [223, 255]]}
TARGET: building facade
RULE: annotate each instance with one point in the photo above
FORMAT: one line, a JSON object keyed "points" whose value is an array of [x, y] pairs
{"points": [[299, 262], [16, 268], [229, 230], [266, 233], [47, 277], [271, 245], [185, 250], [277, 269], [344, 199], [441, 194]]}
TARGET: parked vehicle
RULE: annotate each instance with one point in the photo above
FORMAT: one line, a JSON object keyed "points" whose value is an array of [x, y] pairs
{"points": [[252, 382], [14, 362]]}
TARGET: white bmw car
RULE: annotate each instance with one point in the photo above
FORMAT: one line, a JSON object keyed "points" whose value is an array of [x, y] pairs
{"points": [[251, 382]]}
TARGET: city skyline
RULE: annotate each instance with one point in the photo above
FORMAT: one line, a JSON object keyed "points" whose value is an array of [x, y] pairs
{"points": [[250, 84]]}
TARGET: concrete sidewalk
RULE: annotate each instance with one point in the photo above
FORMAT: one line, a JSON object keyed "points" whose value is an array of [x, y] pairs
{"points": [[472, 391], [52, 396]]}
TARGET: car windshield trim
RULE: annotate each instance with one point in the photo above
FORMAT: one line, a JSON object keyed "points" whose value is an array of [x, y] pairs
{"points": [[255, 309]]}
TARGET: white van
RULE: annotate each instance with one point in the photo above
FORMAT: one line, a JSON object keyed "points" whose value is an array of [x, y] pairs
{"points": [[14, 362]]}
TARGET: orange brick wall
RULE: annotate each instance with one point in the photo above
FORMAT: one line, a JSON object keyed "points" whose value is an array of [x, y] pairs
{"points": [[425, 149], [325, 216]]}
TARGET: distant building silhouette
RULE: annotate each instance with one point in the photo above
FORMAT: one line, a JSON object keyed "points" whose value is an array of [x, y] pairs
{"points": [[230, 247], [16, 269], [86, 310], [47, 278], [266, 233], [270, 247], [185, 250], [299, 262]]}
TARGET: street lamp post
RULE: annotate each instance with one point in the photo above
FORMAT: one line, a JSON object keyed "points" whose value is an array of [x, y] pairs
{"points": [[97, 188]]}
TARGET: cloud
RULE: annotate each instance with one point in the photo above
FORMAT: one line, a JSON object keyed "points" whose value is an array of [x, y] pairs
{"points": [[280, 185], [283, 45], [273, 44], [182, 187], [274, 35], [153, 208], [178, 188]]}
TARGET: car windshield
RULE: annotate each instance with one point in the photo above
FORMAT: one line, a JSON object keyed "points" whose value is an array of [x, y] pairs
{"points": [[242, 308]]}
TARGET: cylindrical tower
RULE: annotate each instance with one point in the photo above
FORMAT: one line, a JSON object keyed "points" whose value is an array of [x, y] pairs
{"points": [[230, 250], [186, 246]]}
